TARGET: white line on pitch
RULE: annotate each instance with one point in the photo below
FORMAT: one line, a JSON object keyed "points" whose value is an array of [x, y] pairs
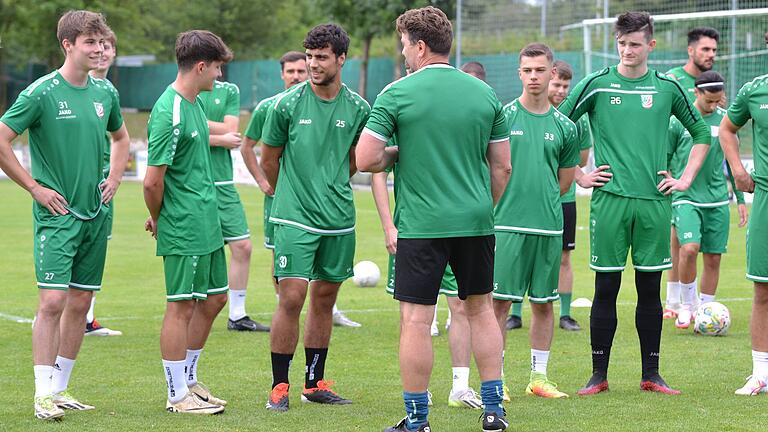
{"points": [[15, 318]]}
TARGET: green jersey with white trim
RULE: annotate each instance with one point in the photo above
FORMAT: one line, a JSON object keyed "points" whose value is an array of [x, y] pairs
{"points": [[541, 144], [630, 122], [585, 143], [443, 120], [178, 138], [313, 191], [108, 137], [709, 188], [258, 117], [223, 100], [67, 126], [686, 80], [752, 103]]}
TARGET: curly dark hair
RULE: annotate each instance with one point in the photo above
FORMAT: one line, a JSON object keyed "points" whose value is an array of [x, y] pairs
{"points": [[699, 32], [325, 35]]}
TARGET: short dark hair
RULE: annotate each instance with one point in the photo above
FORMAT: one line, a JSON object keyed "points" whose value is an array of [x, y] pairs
{"points": [[325, 35], [536, 49], [564, 70], [78, 22], [290, 57], [428, 24], [699, 32], [111, 38], [630, 22], [474, 68], [710, 81], [200, 45]]}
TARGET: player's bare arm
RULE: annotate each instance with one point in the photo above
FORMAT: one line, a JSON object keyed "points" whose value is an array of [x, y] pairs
{"points": [[230, 124], [729, 142], [381, 199], [48, 198], [565, 178], [695, 160], [372, 155], [252, 163], [225, 134], [118, 159], [154, 187], [596, 178], [270, 163], [499, 158]]}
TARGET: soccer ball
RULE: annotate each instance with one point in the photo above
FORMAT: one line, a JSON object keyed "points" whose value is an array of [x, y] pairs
{"points": [[712, 319], [367, 274]]}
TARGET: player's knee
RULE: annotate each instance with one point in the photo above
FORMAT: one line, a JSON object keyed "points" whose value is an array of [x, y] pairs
{"points": [[689, 250], [712, 260], [51, 307], [291, 303], [217, 301], [242, 249], [761, 294], [79, 301], [565, 260]]}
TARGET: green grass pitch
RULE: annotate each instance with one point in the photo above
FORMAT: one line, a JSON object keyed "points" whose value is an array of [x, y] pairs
{"points": [[122, 376]]}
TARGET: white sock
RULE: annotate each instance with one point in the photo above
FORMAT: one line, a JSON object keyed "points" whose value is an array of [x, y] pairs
{"points": [[62, 369], [539, 360], [335, 309], [460, 379], [174, 376], [43, 375], [236, 304], [760, 365], [190, 366], [503, 353], [673, 293], [434, 319], [89, 315], [688, 293], [706, 298]]}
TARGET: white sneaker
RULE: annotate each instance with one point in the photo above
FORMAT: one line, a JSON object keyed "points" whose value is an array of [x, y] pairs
{"points": [[192, 404], [465, 398], [45, 409], [203, 393], [434, 330], [684, 317], [67, 401], [341, 320], [753, 387]]}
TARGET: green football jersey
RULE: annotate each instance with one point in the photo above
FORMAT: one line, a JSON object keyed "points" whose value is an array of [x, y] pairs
{"points": [[686, 81], [709, 188], [541, 144], [178, 138], [223, 100], [67, 125], [585, 143], [313, 191], [108, 137], [630, 121], [443, 120], [752, 103], [258, 117]]}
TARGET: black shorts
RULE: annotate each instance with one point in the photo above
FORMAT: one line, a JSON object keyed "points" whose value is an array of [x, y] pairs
{"points": [[420, 264], [569, 226]]}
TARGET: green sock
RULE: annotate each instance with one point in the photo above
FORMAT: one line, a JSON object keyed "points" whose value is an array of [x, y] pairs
{"points": [[517, 309], [565, 304]]}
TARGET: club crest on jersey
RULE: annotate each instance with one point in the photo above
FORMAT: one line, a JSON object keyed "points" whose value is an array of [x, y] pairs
{"points": [[647, 101], [99, 109]]}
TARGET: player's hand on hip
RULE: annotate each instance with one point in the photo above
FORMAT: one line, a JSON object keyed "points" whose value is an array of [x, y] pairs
{"points": [[670, 184], [151, 226], [232, 140], [390, 240], [744, 182], [108, 189], [50, 199], [743, 215], [597, 178], [266, 187]]}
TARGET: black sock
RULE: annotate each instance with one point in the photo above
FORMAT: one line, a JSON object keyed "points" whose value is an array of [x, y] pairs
{"points": [[315, 369], [280, 365], [648, 320], [602, 320]]}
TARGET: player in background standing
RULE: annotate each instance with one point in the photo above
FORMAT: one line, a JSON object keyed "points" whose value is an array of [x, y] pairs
{"points": [[453, 146], [633, 209], [92, 326], [702, 50], [67, 113], [751, 103], [308, 155], [528, 219], [180, 194], [293, 70], [222, 109], [701, 216]]}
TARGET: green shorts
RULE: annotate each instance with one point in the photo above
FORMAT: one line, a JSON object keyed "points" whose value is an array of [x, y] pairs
{"points": [[269, 227], [757, 238], [234, 225], [70, 252], [618, 223], [705, 226], [311, 256], [109, 209], [448, 285], [526, 264], [195, 277]]}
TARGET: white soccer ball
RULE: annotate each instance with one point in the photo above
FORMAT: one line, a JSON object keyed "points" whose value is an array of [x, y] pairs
{"points": [[367, 274], [712, 319]]}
